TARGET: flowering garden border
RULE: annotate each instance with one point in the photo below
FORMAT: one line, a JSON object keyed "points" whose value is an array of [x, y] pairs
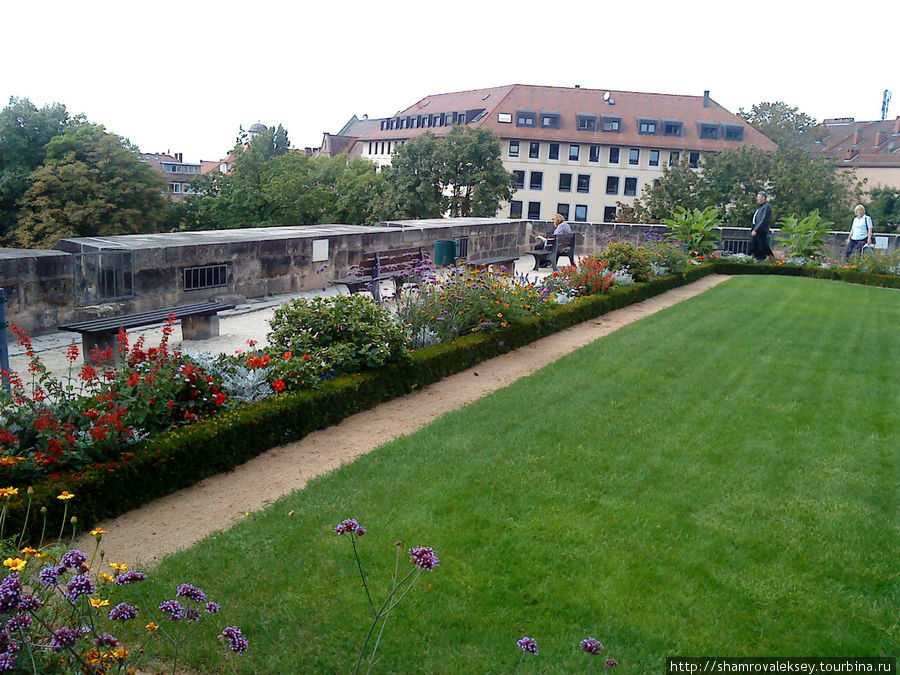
{"points": [[180, 458]]}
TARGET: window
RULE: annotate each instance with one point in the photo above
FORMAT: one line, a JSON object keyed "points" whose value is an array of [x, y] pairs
{"points": [[595, 153], [525, 118], [514, 148], [613, 155], [581, 213], [550, 120], [534, 149], [634, 157], [609, 214], [708, 131], [537, 180], [586, 122], [506, 118], [671, 128], [565, 182], [534, 210], [515, 209], [647, 127], [612, 185], [461, 118], [673, 157], [573, 152], [613, 124], [370, 147], [734, 132], [554, 151], [630, 187], [584, 183], [175, 187], [654, 158], [563, 210], [520, 179], [694, 160], [208, 276]]}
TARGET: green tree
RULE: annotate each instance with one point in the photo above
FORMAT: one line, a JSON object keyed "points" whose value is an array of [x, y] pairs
{"points": [[90, 184], [414, 178], [25, 130], [884, 208], [782, 124]]}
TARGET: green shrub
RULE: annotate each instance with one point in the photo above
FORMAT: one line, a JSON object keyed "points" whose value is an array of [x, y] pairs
{"points": [[696, 230], [619, 255], [805, 237], [667, 256]]}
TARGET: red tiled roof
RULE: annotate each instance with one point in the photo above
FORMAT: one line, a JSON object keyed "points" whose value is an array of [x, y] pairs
{"points": [[854, 143]]}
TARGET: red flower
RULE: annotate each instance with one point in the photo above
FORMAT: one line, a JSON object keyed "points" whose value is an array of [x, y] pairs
{"points": [[133, 379], [220, 399], [288, 356], [72, 353], [278, 385], [170, 404]]}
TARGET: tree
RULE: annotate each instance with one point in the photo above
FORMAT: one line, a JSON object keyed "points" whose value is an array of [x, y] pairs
{"points": [[24, 132], [415, 180], [885, 208], [785, 126], [90, 184]]}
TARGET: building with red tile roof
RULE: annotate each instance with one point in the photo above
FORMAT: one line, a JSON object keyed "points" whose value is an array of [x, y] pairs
{"points": [[871, 148], [177, 172]]}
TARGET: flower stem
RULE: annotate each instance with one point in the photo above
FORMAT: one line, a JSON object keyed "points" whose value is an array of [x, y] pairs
{"points": [[363, 576]]}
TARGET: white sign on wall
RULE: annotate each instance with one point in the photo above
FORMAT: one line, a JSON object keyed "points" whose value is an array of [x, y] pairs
{"points": [[881, 242], [320, 250]]}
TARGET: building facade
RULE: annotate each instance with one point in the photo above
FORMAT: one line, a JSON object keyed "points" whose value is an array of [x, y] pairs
{"points": [[178, 173], [574, 151], [872, 149]]}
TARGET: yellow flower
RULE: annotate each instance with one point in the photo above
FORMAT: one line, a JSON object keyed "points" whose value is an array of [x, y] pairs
{"points": [[30, 551], [97, 603], [64, 495], [15, 564], [121, 653], [10, 461], [9, 492], [98, 532], [106, 577], [151, 627], [119, 567]]}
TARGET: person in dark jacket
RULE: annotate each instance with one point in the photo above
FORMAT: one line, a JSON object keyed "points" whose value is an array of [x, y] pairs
{"points": [[762, 223]]}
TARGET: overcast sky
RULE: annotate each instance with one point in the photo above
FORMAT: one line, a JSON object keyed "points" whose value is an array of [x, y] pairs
{"points": [[183, 76]]}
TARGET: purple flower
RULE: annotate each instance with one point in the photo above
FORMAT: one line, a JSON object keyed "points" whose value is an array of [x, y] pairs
{"points": [[18, 622], [79, 585], [528, 644], [191, 592], [10, 590], [236, 641], [122, 612], [192, 615], [7, 661], [30, 603], [610, 664], [64, 637], [212, 607], [349, 525], [106, 640], [424, 557], [591, 645], [128, 577], [73, 558], [173, 608], [49, 576]]}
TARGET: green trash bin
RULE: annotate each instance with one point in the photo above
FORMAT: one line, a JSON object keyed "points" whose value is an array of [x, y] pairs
{"points": [[444, 252]]}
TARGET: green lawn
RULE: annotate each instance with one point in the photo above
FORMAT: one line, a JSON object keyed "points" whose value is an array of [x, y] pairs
{"points": [[720, 478]]}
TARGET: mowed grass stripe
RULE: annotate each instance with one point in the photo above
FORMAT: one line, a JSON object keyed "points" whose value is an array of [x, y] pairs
{"points": [[719, 478]]}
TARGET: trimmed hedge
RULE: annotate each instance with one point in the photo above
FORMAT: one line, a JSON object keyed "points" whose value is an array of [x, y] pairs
{"points": [[831, 273], [173, 460]]}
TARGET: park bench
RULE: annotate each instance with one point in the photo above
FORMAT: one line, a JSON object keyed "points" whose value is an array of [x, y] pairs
{"points": [[401, 266], [498, 263], [198, 322], [556, 247]]}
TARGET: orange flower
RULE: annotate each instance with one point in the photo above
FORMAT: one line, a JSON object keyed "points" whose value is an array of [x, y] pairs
{"points": [[64, 495], [288, 356]]}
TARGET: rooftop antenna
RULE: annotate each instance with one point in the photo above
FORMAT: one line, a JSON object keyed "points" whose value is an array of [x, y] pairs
{"points": [[885, 104]]}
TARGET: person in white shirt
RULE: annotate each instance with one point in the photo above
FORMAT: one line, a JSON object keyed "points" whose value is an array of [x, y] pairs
{"points": [[860, 231]]}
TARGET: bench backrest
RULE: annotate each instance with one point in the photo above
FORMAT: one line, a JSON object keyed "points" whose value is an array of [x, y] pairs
{"points": [[388, 262], [562, 244]]}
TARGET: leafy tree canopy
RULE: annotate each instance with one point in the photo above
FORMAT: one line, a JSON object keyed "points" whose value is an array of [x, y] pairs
{"points": [[784, 125]]}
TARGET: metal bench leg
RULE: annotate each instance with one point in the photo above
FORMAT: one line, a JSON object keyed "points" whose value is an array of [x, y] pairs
{"points": [[199, 327]]}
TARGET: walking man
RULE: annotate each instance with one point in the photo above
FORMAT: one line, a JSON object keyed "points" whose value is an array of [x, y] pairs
{"points": [[762, 223]]}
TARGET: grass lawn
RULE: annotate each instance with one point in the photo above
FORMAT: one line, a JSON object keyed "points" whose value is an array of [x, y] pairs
{"points": [[720, 478]]}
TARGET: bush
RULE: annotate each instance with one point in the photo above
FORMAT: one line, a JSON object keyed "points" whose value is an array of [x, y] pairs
{"points": [[622, 255], [805, 237], [666, 256], [696, 230], [591, 276]]}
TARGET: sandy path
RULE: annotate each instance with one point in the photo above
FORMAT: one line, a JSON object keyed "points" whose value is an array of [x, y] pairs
{"points": [[179, 520]]}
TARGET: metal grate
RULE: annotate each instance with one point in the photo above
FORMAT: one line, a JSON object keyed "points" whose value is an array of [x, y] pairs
{"points": [[462, 247], [102, 276], [736, 245], [208, 276]]}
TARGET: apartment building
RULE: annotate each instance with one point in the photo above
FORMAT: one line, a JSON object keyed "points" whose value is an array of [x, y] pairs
{"points": [[178, 173], [574, 151], [872, 149]]}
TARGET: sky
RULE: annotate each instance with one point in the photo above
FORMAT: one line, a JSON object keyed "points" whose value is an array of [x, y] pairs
{"points": [[183, 77]]}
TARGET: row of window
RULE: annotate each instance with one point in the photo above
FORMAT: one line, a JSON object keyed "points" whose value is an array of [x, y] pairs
{"points": [[382, 147], [180, 168], [613, 156], [582, 183], [580, 213], [179, 188], [613, 124], [444, 119]]}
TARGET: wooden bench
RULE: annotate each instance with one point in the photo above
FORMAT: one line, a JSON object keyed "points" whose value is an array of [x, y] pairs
{"points": [[560, 246], [198, 322], [500, 263], [401, 266]]}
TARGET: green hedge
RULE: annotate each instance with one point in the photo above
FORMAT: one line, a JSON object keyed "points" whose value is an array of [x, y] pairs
{"points": [[834, 274], [180, 458]]}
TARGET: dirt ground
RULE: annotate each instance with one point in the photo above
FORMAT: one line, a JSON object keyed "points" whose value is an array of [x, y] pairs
{"points": [[148, 534]]}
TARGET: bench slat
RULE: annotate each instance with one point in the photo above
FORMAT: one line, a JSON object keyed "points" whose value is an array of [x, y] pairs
{"points": [[114, 323]]}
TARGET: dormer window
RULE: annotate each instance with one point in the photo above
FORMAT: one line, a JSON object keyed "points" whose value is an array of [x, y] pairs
{"points": [[734, 132], [549, 120], [707, 131], [646, 126], [672, 128], [525, 118], [504, 118], [613, 124], [586, 122]]}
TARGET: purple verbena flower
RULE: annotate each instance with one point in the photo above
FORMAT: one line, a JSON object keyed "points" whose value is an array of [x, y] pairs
{"points": [[30, 603], [236, 641], [528, 644], [73, 558], [349, 525], [49, 576], [128, 577], [79, 585], [173, 608], [122, 612], [106, 640], [7, 661], [191, 592], [10, 590], [212, 607], [192, 615], [424, 557], [591, 645], [610, 664], [64, 637], [18, 622]]}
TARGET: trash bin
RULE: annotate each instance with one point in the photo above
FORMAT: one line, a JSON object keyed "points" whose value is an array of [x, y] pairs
{"points": [[444, 252]]}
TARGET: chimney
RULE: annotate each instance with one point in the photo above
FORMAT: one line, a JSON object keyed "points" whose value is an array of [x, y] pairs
{"points": [[880, 137], [897, 125], [578, 86], [706, 98], [857, 137], [365, 117]]}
